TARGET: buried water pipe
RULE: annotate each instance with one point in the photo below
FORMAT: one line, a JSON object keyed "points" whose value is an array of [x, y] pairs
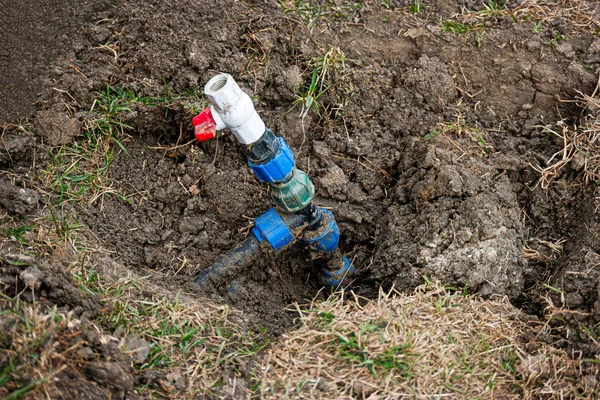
{"points": [[295, 217]]}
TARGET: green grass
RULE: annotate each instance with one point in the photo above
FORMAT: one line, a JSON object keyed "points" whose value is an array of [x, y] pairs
{"points": [[78, 172], [28, 337], [451, 26], [556, 39], [416, 7], [18, 233], [398, 359], [179, 334]]}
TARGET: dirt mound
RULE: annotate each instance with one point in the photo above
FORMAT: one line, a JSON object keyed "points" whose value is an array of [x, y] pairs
{"points": [[63, 346]]}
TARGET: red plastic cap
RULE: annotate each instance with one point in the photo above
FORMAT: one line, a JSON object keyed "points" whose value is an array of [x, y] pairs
{"points": [[205, 126]]}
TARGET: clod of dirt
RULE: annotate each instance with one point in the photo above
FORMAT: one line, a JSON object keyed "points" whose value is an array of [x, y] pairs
{"points": [[18, 201], [138, 349], [177, 379], [15, 147], [333, 183], [32, 277], [118, 375], [457, 220], [432, 83], [56, 127]]}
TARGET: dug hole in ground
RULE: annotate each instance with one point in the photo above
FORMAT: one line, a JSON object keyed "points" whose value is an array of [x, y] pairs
{"points": [[456, 143]]}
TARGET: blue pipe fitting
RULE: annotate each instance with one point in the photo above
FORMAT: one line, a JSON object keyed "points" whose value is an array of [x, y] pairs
{"points": [[327, 236], [336, 278], [279, 168], [271, 228]]}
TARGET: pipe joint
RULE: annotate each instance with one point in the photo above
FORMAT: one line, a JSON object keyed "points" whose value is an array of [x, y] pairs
{"points": [[337, 277], [293, 195], [271, 228], [326, 237], [279, 168], [234, 109]]}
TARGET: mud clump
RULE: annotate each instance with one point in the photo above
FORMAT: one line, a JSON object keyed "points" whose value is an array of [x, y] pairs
{"points": [[16, 200], [455, 218], [432, 83], [56, 127], [16, 149]]}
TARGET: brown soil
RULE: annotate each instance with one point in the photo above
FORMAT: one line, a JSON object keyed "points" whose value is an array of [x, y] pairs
{"points": [[429, 172]]}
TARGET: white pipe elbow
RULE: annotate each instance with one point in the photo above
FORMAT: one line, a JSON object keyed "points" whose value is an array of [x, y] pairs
{"points": [[232, 108]]}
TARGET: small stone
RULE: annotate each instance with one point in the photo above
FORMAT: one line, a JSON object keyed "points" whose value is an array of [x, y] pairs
{"points": [[527, 106]]}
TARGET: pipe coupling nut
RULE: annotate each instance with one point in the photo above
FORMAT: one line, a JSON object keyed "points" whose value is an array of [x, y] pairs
{"points": [[295, 194], [279, 168]]}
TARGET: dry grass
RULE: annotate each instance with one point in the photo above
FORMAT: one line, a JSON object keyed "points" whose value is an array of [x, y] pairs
{"points": [[543, 250], [432, 344], [35, 345], [580, 145], [463, 137], [194, 340], [578, 13], [189, 345]]}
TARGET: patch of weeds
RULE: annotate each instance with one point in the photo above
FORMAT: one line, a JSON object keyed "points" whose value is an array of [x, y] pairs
{"points": [[412, 346], [329, 76], [479, 38], [63, 223], [459, 129], [431, 135], [78, 171], [88, 281], [481, 142], [537, 27], [387, 4], [29, 338], [452, 26], [509, 363], [556, 39], [18, 233], [180, 335], [416, 7], [324, 11], [396, 359], [308, 96], [492, 8]]}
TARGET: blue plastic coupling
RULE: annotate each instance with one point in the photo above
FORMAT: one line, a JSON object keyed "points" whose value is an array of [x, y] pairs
{"points": [[336, 278], [271, 228], [328, 237], [279, 168]]}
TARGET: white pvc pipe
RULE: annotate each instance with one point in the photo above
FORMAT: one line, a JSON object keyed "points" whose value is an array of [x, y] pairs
{"points": [[232, 108]]}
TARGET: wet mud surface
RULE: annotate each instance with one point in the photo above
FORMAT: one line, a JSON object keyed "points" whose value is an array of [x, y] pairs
{"points": [[428, 170]]}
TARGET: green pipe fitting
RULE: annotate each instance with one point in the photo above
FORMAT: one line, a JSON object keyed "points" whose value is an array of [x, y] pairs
{"points": [[293, 195]]}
